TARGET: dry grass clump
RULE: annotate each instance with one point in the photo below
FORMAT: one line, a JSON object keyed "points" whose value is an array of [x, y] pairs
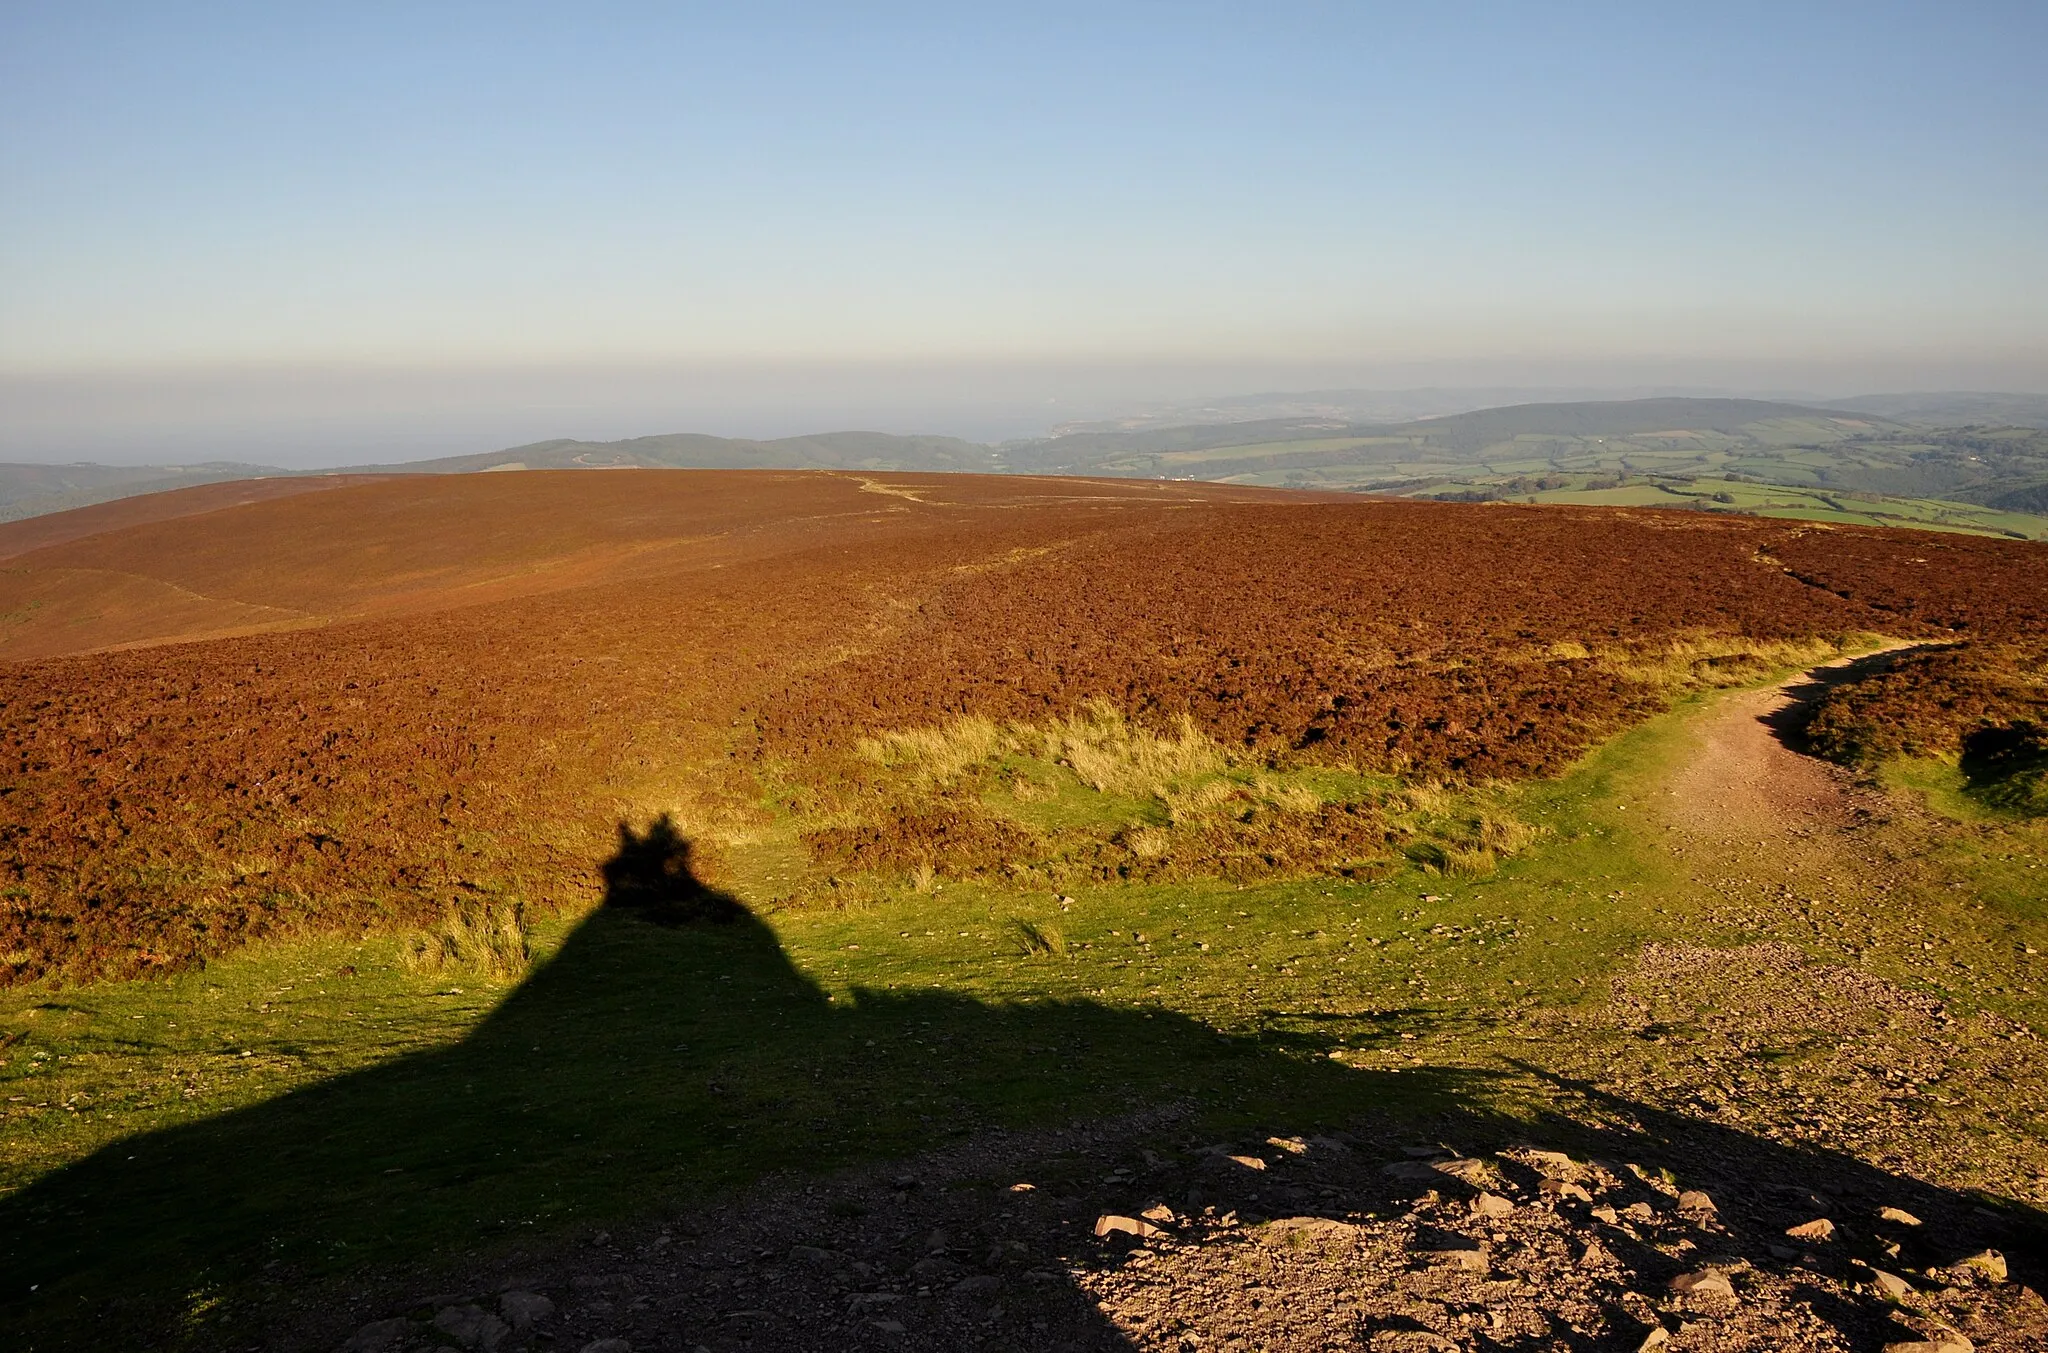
{"points": [[1112, 755], [1147, 843], [940, 755], [1472, 847], [488, 940], [1725, 660], [1040, 941], [1209, 799], [1106, 751]]}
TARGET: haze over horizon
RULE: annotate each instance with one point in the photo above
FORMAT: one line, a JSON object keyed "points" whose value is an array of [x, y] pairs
{"points": [[389, 233]]}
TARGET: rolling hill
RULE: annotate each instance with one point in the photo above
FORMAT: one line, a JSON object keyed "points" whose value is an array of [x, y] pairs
{"points": [[1752, 456]]}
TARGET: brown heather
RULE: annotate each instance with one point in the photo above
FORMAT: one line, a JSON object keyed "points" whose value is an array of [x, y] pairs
{"points": [[389, 704]]}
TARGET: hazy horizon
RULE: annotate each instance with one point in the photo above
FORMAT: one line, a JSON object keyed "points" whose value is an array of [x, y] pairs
{"points": [[380, 233]]}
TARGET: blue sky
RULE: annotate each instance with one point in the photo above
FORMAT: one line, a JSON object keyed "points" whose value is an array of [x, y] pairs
{"points": [[1789, 188]]}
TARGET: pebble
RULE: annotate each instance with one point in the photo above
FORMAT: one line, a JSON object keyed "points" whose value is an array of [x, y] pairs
{"points": [[471, 1326], [378, 1335], [1990, 1263], [1492, 1205], [524, 1308], [1468, 1257], [1109, 1223], [1561, 1188], [1705, 1283]]}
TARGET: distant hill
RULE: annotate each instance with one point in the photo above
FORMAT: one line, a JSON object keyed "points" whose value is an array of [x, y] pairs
{"points": [[1739, 455], [1955, 408], [1735, 455], [1455, 438], [34, 490], [698, 451]]}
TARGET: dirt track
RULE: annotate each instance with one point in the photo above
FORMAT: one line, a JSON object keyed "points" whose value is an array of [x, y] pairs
{"points": [[1744, 785]]}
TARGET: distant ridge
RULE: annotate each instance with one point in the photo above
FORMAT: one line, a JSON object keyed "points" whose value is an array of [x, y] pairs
{"points": [[1956, 408], [700, 451], [1461, 432], [1968, 473]]}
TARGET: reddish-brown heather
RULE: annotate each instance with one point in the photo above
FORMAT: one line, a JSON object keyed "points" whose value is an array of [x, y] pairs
{"points": [[456, 686]]}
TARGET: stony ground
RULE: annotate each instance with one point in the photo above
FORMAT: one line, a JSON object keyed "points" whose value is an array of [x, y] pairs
{"points": [[1132, 1236]]}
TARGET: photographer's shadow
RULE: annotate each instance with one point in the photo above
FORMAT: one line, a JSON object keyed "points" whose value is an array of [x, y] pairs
{"points": [[670, 1050]]}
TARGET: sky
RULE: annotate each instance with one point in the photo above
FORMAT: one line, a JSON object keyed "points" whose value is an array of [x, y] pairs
{"points": [[344, 231]]}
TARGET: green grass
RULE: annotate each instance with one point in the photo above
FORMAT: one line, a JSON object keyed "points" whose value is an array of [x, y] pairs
{"points": [[287, 1116]]}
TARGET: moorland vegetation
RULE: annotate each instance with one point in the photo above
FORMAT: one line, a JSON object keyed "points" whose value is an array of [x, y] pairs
{"points": [[169, 803]]}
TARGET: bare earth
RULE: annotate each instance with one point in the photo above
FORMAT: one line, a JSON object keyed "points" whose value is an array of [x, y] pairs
{"points": [[1745, 788], [1695, 1200]]}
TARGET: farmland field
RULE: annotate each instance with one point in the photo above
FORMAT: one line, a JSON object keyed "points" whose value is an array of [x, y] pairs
{"points": [[615, 886]]}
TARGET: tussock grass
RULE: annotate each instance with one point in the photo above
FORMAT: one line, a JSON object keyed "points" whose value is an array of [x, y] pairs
{"points": [[1148, 843], [1112, 755], [489, 940], [1040, 941], [939, 756], [1106, 751]]}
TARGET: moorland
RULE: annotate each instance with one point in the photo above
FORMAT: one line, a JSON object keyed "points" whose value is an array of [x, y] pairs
{"points": [[781, 909]]}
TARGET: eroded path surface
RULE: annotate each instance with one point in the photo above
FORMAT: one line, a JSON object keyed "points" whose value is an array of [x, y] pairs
{"points": [[1744, 786]]}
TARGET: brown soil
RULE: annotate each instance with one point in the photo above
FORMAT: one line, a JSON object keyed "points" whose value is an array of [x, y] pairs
{"points": [[1452, 1239]]}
